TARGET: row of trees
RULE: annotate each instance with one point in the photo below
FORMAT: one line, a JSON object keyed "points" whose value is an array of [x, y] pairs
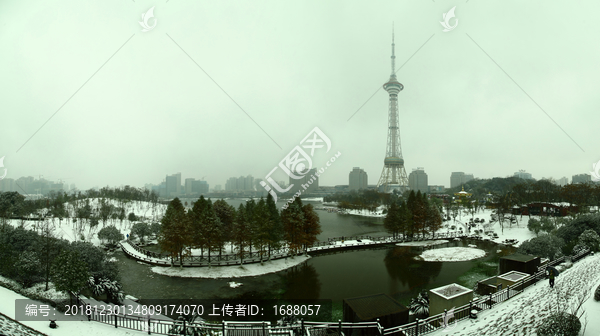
{"points": [[416, 215], [13, 204], [259, 225]]}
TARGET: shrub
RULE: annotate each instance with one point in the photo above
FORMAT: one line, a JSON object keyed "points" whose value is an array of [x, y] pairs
{"points": [[559, 324], [597, 293], [589, 239], [571, 231], [111, 234], [544, 246]]}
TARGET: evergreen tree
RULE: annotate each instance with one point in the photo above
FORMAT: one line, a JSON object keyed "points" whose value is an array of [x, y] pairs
{"points": [[406, 223], [240, 231], [176, 231], [195, 217], [392, 219], [70, 273], [226, 214], [293, 220], [412, 205], [252, 229], [261, 221], [211, 228], [311, 227], [276, 231]]}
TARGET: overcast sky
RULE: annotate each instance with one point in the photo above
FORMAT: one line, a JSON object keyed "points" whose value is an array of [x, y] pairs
{"points": [[513, 86]]}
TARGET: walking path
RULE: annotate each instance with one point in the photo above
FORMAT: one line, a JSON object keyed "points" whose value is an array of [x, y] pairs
{"points": [[141, 254], [522, 314]]}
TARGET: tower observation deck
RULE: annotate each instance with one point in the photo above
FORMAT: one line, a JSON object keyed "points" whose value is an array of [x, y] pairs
{"points": [[393, 175]]}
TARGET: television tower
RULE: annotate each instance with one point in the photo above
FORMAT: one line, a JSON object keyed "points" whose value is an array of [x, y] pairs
{"points": [[393, 175]]}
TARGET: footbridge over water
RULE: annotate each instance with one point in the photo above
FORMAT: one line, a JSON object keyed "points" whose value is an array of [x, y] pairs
{"points": [[337, 244]]}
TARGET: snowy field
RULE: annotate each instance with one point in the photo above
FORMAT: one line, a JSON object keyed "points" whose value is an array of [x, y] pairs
{"points": [[246, 270], [451, 254], [522, 314], [77, 231]]}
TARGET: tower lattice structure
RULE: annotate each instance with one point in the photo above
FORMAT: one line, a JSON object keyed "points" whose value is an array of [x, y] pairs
{"points": [[393, 175]]}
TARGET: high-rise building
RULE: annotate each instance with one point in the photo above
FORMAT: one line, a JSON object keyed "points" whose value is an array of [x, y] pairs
{"points": [[188, 185], [393, 175], [198, 187], [563, 181], [218, 187], [307, 184], [173, 185], [459, 178], [417, 180], [523, 174], [7, 184], [358, 179], [581, 178]]}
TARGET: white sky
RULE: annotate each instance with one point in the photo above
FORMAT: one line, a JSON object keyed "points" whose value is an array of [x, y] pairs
{"points": [[151, 111]]}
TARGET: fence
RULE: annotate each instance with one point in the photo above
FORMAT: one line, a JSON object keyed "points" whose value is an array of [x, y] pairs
{"points": [[435, 322], [305, 328]]}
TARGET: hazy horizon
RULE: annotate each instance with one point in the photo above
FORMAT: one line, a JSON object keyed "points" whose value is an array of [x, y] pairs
{"points": [[219, 90]]}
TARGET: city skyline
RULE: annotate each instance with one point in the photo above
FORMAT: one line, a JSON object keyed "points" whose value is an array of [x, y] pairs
{"points": [[92, 100]]}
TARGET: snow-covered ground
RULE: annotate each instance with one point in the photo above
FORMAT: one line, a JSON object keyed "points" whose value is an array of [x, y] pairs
{"points": [[245, 270], [522, 314], [424, 243], [75, 231], [452, 254], [76, 326]]}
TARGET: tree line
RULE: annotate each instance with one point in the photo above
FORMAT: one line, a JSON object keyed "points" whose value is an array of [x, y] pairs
{"points": [[257, 225], [416, 215]]}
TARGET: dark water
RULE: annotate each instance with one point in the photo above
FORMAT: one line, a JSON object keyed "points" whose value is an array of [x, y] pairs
{"points": [[391, 270]]}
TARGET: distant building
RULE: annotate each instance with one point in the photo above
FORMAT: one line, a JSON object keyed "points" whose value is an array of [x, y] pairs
{"points": [[173, 184], [357, 179], [459, 178], [7, 184], [523, 174], [188, 185], [581, 178], [417, 180], [218, 187], [242, 183], [309, 182], [436, 189], [563, 181], [198, 187]]}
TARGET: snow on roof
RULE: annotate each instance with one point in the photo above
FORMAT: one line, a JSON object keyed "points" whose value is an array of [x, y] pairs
{"points": [[451, 291], [513, 276]]}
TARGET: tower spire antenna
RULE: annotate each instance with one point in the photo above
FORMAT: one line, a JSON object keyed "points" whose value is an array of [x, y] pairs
{"points": [[393, 52], [393, 176]]}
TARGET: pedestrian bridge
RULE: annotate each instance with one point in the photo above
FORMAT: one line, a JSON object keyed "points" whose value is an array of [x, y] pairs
{"points": [[332, 245]]}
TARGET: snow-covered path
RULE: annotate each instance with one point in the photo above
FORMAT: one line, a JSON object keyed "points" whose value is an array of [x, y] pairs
{"points": [[522, 314]]}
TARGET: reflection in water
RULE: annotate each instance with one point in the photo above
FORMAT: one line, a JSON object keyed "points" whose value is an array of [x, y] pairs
{"points": [[302, 282], [401, 266]]}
